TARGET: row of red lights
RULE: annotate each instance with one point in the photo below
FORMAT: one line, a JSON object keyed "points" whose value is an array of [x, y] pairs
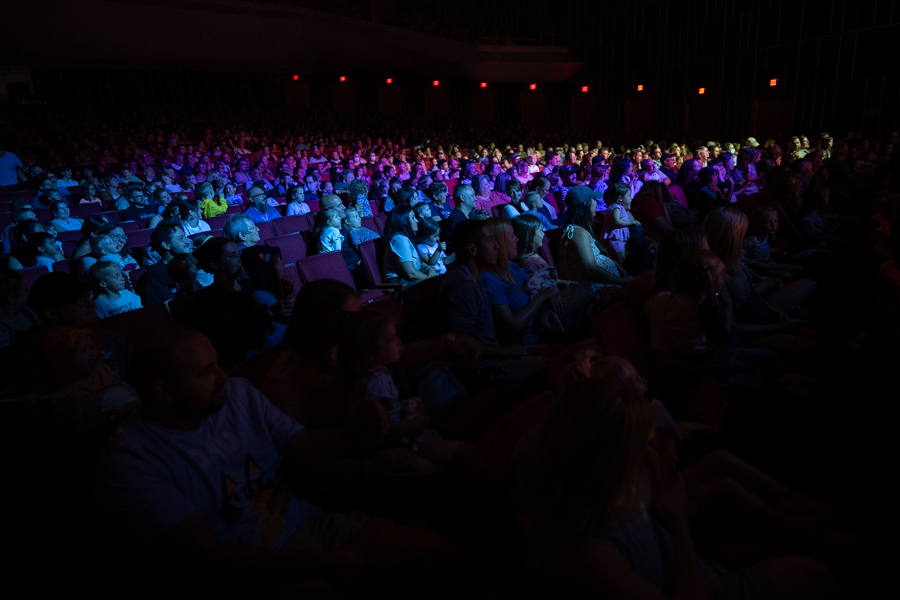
{"points": [[584, 89]]}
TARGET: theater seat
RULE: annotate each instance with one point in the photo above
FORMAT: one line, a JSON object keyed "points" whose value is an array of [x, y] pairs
{"points": [[291, 224], [85, 210], [217, 222], [112, 216], [293, 247], [32, 274], [380, 220], [135, 323], [139, 238], [331, 265], [624, 333]]}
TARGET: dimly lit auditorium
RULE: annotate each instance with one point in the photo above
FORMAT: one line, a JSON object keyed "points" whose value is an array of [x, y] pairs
{"points": [[338, 299]]}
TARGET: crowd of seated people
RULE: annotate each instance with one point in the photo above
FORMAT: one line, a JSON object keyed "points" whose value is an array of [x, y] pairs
{"points": [[300, 344]]}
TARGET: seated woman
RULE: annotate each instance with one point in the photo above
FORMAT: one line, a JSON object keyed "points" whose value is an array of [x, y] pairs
{"points": [[440, 208], [586, 482], [580, 256], [707, 194], [401, 259], [26, 253], [515, 206], [110, 244], [62, 220], [189, 211], [89, 194], [756, 299]]}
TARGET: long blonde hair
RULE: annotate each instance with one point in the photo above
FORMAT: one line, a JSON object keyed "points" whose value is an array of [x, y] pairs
{"points": [[587, 468], [724, 228], [499, 227]]}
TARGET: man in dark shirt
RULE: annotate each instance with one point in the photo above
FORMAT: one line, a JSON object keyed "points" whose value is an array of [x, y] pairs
{"points": [[140, 208], [158, 284], [668, 166], [464, 199]]}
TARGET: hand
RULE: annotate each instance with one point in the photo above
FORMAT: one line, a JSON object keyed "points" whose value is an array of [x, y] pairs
{"points": [[431, 272], [282, 309], [635, 222], [461, 348], [549, 292]]}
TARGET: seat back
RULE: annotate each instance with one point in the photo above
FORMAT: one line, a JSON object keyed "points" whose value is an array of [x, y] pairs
{"points": [[329, 265], [624, 333], [85, 210], [369, 253], [380, 221], [217, 222], [546, 251], [136, 323], [418, 302], [551, 245], [293, 247], [112, 216], [32, 274], [678, 194], [291, 224], [139, 238]]}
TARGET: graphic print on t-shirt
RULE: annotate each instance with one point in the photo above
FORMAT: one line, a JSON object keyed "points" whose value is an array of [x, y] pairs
{"points": [[259, 494]]}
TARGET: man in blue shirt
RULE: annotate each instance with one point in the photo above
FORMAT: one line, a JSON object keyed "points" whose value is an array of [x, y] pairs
{"points": [[261, 211], [9, 162]]}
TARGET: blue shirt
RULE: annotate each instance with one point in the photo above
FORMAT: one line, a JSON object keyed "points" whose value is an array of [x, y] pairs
{"points": [[466, 304], [8, 164], [502, 293], [258, 216]]}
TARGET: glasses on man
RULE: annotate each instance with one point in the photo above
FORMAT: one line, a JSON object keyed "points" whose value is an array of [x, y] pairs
{"points": [[257, 196]]}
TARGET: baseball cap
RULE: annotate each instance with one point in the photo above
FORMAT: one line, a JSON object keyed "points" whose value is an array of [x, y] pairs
{"points": [[56, 289], [581, 194], [752, 142]]}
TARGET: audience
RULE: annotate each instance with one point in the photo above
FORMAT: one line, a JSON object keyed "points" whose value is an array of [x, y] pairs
{"points": [[374, 397]]}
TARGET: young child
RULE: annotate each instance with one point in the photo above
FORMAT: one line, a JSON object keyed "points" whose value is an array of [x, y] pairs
{"points": [[368, 343], [359, 190], [534, 206], [42, 249], [296, 204], [618, 219], [422, 210], [530, 237], [432, 251], [328, 224], [112, 297], [103, 248], [230, 195], [358, 233]]}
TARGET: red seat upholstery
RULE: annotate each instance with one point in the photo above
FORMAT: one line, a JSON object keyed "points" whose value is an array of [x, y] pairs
{"points": [[43, 214], [546, 252], [112, 216], [293, 247], [380, 220], [313, 205], [68, 236], [216, 222], [85, 210], [374, 206], [678, 194], [129, 226], [135, 323], [624, 332], [234, 208], [329, 265], [292, 224], [139, 238], [369, 223]]}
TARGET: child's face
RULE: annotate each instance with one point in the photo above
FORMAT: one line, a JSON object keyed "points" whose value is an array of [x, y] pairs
{"points": [[48, 248], [334, 220], [354, 221], [389, 347], [432, 239], [113, 279], [425, 212], [626, 200], [538, 238], [229, 189]]}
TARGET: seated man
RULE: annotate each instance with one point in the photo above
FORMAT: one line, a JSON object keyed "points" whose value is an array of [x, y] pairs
{"points": [[139, 208], [240, 229], [198, 476], [260, 210], [165, 278]]}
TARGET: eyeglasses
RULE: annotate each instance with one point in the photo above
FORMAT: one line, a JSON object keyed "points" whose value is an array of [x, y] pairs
{"points": [[257, 196]]}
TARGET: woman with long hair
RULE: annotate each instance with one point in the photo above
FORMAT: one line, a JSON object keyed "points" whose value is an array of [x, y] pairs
{"points": [[401, 259]]}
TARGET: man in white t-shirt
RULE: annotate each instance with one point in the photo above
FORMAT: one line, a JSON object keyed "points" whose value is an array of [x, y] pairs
{"points": [[198, 475]]}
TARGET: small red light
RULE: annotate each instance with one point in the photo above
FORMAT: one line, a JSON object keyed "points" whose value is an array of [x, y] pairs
{"points": [[435, 83], [533, 86], [584, 89], [389, 81], [702, 91], [343, 78], [773, 82], [296, 77], [483, 84], [640, 88]]}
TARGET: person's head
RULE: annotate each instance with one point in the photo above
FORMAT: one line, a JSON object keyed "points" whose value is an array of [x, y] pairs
{"points": [[332, 201], [539, 184], [60, 210], [482, 185], [617, 193], [464, 196], [107, 276], [176, 373], [474, 243], [203, 191], [529, 234], [61, 300], [313, 331], [40, 244], [162, 197], [567, 175], [674, 245], [422, 210], [265, 268], [136, 197], [506, 239], [401, 221], [724, 228], [699, 274], [764, 223], [352, 219], [357, 187], [367, 340], [668, 161], [169, 240], [220, 257], [707, 176], [533, 201], [103, 244], [257, 197], [327, 217], [429, 232], [621, 166], [470, 170], [552, 158], [295, 194], [438, 192], [588, 463]]}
